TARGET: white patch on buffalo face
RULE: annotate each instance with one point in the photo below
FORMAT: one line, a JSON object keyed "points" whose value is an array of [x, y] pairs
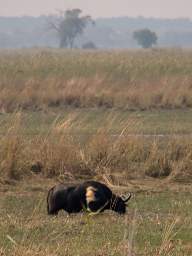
{"points": [[90, 194]]}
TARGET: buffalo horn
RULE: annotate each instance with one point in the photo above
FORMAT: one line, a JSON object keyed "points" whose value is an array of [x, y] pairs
{"points": [[126, 198]]}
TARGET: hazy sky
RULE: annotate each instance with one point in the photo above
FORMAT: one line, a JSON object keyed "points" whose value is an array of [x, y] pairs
{"points": [[100, 8]]}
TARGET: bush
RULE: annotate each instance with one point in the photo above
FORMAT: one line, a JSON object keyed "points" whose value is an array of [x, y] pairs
{"points": [[89, 45]]}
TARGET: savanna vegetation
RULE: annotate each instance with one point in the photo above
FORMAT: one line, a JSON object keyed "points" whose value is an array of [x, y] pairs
{"points": [[127, 80], [121, 117]]}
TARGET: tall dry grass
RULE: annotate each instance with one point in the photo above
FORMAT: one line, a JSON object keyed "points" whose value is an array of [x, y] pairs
{"points": [[12, 162], [37, 79], [59, 153]]}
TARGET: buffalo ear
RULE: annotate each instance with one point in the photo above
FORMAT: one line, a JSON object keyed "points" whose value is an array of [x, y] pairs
{"points": [[126, 198]]}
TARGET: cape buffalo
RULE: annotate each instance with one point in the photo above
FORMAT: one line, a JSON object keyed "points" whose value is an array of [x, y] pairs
{"points": [[90, 195]]}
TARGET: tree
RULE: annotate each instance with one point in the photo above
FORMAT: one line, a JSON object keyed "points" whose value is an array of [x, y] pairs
{"points": [[145, 37], [69, 25]]}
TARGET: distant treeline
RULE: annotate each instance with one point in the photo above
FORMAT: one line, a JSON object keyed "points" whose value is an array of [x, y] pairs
{"points": [[17, 32]]}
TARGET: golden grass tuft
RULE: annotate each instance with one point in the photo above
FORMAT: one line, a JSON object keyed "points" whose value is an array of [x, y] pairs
{"points": [[12, 162]]}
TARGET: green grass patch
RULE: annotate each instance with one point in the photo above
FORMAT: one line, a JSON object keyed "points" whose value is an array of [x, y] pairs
{"points": [[23, 218], [88, 121]]}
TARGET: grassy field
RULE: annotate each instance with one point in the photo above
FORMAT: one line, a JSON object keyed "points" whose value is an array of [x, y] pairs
{"points": [[87, 144], [156, 224], [133, 80], [121, 117], [88, 121]]}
